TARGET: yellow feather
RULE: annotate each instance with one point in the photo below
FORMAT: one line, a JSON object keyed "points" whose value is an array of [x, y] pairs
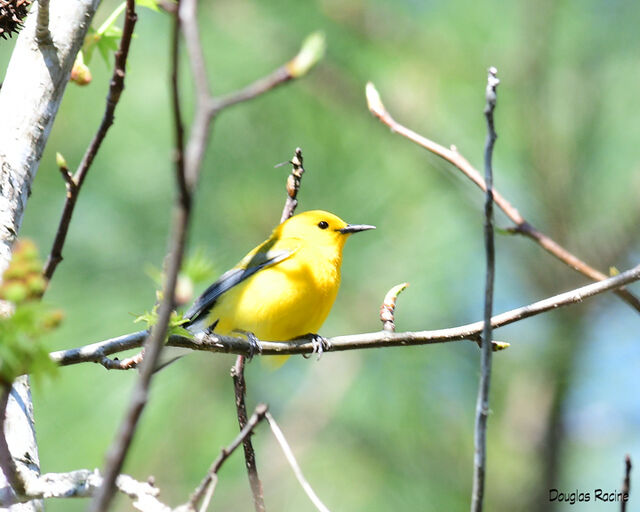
{"points": [[293, 296]]}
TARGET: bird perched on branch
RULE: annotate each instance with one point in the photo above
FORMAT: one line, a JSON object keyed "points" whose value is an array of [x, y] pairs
{"points": [[284, 288]]}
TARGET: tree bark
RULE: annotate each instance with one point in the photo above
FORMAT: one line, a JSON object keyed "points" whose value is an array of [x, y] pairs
{"points": [[29, 100]]}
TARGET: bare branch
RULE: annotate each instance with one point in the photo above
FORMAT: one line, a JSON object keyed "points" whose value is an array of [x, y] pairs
{"points": [[21, 446], [388, 308], [31, 93], [293, 185], [311, 51], [43, 35], [122, 364], [626, 483], [482, 405], [7, 464], [209, 481], [472, 332], [286, 449], [113, 96], [277, 77], [84, 483], [120, 446], [522, 226], [240, 391]]}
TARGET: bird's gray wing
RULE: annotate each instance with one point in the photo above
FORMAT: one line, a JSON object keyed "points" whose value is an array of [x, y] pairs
{"points": [[253, 263]]}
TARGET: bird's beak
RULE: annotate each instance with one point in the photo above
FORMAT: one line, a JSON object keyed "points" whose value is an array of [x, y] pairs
{"points": [[355, 228]]}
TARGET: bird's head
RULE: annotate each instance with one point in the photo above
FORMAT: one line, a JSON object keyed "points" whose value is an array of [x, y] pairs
{"points": [[320, 228]]}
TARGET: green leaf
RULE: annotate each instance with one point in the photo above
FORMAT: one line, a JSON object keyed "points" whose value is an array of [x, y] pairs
{"points": [[21, 347]]}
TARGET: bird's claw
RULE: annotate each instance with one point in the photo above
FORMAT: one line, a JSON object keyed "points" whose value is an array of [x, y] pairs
{"points": [[254, 343], [320, 345]]}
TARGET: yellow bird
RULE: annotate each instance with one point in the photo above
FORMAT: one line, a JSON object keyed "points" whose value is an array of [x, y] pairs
{"points": [[284, 288]]}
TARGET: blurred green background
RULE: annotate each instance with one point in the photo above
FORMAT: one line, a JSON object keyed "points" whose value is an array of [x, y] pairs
{"points": [[386, 429]]}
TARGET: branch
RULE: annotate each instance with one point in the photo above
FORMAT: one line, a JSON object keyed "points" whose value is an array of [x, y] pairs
{"points": [[209, 482], [240, 390], [74, 183], [388, 308], [288, 453], [153, 347], [231, 345], [20, 454], [293, 185], [43, 35], [29, 100], [84, 483], [482, 404], [522, 226], [626, 483], [7, 464], [237, 371], [311, 51]]}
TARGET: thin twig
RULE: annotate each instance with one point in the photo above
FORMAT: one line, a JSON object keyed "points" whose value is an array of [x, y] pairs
{"points": [[388, 308], [626, 483], [482, 405], [43, 35], [293, 185], [115, 90], [240, 390], [120, 446], [231, 345], [522, 226], [181, 179], [122, 364], [257, 416], [7, 464], [237, 371], [286, 449], [277, 77]]}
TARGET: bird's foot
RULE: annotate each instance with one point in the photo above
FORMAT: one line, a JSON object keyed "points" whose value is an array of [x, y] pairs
{"points": [[319, 343], [254, 343]]}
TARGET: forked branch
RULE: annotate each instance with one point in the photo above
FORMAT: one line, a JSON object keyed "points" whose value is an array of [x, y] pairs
{"points": [[522, 226]]}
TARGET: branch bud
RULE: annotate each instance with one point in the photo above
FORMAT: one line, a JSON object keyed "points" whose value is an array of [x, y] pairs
{"points": [[312, 50], [374, 103]]}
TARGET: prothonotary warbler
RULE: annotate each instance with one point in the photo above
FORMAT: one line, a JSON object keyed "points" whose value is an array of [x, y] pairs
{"points": [[284, 288]]}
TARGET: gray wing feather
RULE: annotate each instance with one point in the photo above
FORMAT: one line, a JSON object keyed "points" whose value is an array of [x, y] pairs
{"points": [[228, 280]]}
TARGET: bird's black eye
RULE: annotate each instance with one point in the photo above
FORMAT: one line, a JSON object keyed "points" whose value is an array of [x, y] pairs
{"points": [[323, 224]]}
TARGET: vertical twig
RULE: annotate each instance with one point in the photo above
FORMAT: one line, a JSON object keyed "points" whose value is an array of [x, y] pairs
{"points": [[43, 35], [237, 372], [626, 483], [388, 308], [293, 185], [482, 405], [155, 343], [240, 389], [74, 183]]}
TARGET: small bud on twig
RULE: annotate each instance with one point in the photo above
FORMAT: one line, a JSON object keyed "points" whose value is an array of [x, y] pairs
{"points": [[293, 185], [312, 50], [389, 305], [374, 103], [80, 73], [66, 175]]}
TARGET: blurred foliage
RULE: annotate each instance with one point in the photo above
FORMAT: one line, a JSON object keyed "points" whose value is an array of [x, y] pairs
{"points": [[391, 428], [24, 319]]}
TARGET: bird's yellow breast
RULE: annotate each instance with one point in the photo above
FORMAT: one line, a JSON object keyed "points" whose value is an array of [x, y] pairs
{"points": [[285, 301]]}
